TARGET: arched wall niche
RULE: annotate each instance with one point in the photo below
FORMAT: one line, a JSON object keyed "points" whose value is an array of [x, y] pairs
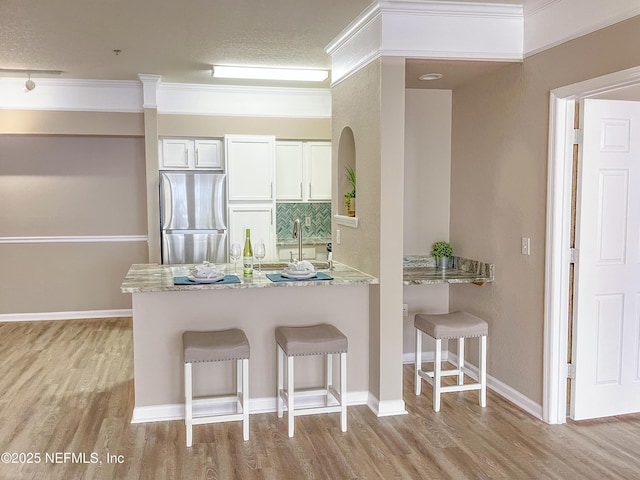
{"points": [[346, 158]]}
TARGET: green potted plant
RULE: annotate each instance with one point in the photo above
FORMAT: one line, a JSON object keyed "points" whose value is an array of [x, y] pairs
{"points": [[442, 251], [350, 197]]}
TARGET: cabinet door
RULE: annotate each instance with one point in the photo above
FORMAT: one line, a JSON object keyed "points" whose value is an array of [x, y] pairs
{"points": [[208, 154], [318, 155], [289, 157], [260, 219], [176, 153], [250, 165]]}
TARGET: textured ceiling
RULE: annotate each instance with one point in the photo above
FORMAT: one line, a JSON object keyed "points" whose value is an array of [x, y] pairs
{"points": [[180, 40]]}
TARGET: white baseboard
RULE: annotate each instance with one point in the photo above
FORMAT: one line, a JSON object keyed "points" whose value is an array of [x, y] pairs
{"points": [[175, 411], [386, 408], [503, 390], [410, 358], [45, 316], [494, 384]]}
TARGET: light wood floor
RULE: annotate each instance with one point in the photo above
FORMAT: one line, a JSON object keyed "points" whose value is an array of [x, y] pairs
{"points": [[67, 386]]}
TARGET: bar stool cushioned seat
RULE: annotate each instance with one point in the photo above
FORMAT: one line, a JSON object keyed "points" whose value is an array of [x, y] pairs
{"points": [[458, 325], [323, 339], [217, 346]]}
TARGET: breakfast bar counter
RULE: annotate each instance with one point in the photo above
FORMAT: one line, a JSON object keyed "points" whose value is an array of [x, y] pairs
{"points": [[160, 278], [162, 311], [421, 270]]}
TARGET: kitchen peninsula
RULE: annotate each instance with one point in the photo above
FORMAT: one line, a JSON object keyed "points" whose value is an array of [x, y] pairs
{"points": [[162, 311]]}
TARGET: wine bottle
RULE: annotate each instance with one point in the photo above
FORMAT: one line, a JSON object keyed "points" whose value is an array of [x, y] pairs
{"points": [[247, 256]]}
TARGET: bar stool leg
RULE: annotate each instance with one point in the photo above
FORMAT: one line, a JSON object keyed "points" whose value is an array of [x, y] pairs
{"points": [[343, 392], [290, 395], [328, 376], [483, 371], [460, 360], [437, 370], [245, 399], [417, 379], [280, 382], [188, 394]]}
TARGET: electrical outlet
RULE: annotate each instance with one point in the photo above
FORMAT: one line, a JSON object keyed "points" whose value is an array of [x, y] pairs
{"points": [[307, 221], [405, 310]]}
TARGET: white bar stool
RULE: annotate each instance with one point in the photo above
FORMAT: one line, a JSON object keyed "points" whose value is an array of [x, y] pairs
{"points": [[459, 325], [320, 339], [217, 346]]}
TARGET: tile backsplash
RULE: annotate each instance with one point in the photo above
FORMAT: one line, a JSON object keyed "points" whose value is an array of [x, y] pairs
{"points": [[320, 214]]}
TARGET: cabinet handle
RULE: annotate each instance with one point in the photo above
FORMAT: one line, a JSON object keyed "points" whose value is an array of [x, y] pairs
{"points": [[300, 189], [309, 189], [271, 191], [272, 216]]}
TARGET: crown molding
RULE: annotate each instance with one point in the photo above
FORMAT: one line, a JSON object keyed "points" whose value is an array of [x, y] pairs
{"points": [[228, 100], [549, 23], [71, 95], [428, 29]]}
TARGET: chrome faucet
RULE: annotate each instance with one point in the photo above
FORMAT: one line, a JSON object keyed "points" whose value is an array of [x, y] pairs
{"points": [[297, 233]]}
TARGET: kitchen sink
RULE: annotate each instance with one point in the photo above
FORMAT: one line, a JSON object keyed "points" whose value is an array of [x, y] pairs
{"points": [[279, 266]]}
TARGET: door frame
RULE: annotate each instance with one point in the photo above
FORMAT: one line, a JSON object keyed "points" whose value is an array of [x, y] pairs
{"points": [[557, 254]]}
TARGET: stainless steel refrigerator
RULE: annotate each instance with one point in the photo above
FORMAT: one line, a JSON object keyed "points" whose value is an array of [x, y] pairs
{"points": [[192, 211]]}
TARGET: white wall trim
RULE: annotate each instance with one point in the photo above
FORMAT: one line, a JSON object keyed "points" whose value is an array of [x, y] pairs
{"points": [[72, 95], [502, 389], [428, 29], [150, 85], [190, 99], [175, 411], [46, 316], [74, 239], [386, 408], [557, 242], [553, 22]]}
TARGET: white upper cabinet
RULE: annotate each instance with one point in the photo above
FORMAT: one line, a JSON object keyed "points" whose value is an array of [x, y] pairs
{"points": [[250, 166], [303, 171], [318, 162], [208, 154], [189, 153], [289, 179]]}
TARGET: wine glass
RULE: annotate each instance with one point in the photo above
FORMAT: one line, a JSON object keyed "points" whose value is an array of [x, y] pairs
{"points": [[235, 254], [259, 252]]}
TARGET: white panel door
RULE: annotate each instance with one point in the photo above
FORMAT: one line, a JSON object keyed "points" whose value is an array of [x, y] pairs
{"points": [[250, 165], [606, 344], [260, 219], [289, 157]]}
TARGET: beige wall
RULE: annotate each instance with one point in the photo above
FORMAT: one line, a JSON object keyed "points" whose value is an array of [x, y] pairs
{"points": [[356, 104], [69, 186], [427, 184], [219, 126], [70, 123], [498, 190], [371, 102]]}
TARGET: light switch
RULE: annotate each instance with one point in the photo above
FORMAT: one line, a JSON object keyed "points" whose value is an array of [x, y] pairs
{"points": [[338, 238], [526, 246]]}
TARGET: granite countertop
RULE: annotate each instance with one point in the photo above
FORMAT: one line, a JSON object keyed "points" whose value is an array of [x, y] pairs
{"points": [[421, 270], [159, 278]]}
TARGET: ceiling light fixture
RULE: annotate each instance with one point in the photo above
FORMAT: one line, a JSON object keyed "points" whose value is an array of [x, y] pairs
{"points": [[29, 84], [430, 76], [263, 73]]}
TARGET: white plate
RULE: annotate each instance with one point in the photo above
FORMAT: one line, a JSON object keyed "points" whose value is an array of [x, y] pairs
{"points": [[297, 276], [206, 280], [294, 273]]}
